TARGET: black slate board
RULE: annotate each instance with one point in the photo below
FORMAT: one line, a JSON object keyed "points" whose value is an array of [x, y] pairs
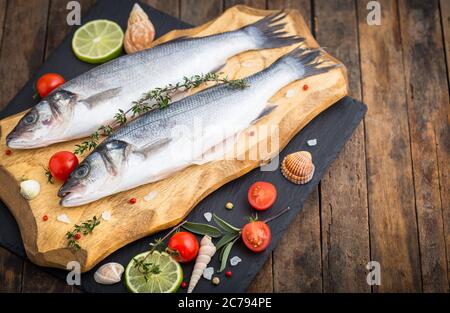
{"points": [[332, 129]]}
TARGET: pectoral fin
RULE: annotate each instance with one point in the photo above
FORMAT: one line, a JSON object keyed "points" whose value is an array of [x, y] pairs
{"points": [[267, 110], [147, 149], [102, 96]]}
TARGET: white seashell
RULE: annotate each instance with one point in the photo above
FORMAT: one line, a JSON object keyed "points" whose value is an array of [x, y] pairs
{"points": [[150, 196], [109, 273], [290, 93], [208, 273], [106, 215], [64, 219], [208, 216], [235, 260], [29, 189], [312, 142]]}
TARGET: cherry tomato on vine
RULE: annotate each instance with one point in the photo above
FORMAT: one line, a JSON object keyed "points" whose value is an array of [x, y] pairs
{"points": [[61, 164], [256, 236], [186, 244], [47, 83], [262, 195]]}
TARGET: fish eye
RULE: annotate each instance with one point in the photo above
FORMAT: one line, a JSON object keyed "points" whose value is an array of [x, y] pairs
{"points": [[30, 118], [81, 171]]}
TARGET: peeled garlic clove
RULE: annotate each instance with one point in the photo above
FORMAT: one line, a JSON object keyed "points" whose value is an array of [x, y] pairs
{"points": [[298, 167], [140, 31], [109, 273], [29, 189]]}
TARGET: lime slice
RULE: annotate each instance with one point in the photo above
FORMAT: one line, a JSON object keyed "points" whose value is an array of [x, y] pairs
{"points": [[98, 41], [166, 281]]}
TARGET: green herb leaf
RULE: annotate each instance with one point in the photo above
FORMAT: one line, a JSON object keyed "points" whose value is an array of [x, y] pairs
{"points": [[202, 229], [226, 226], [224, 255], [225, 240]]}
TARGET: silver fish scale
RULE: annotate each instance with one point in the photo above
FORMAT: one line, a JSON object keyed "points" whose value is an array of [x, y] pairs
{"points": [[211, 106], [161, 65]]}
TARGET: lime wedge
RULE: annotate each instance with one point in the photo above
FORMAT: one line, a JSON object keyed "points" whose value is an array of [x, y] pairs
{"points": [[98, 41], [167, 280]]}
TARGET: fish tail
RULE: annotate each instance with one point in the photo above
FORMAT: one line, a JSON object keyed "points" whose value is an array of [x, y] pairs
{"points": [[307, 62], [268, 34]]}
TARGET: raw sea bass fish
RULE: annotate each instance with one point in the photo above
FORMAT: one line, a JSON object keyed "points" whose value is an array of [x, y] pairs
{"points": [[80, 106], [151, 147]]}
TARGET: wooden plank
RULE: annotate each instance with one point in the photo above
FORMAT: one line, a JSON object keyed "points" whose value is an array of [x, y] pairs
{"points": [[428, 112], [344, 214], [10, 265], [20, 58], [197, 12], [36, 280], [171, 7], [258, 4], [445, 20], [444, 171], [392, 215], [57, 22], [304, 261], [10, 272]]}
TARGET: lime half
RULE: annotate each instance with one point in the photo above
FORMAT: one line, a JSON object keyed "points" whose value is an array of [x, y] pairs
{"points": [[98, 41], [167, 278]]}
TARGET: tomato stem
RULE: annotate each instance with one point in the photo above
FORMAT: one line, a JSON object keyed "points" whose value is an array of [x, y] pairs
{"points": [[277, 215]]}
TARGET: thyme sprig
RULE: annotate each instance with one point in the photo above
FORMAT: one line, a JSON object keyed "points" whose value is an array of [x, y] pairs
{"points": [[85, 228], [147, 268], [157, 98]]}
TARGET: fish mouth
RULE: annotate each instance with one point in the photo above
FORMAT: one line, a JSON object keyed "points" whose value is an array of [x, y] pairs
{"points": [[70, 197]]}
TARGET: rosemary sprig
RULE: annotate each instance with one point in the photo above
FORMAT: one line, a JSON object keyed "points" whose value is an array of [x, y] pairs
{"points": [[85, 228], [157, 98]]}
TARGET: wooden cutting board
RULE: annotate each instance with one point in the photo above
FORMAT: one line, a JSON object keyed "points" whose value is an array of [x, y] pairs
{"points": [[45, 241]]}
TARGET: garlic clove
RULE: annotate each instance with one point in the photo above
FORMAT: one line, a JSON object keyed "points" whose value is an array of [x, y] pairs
{"points": [[30, 189], [109, 273]]}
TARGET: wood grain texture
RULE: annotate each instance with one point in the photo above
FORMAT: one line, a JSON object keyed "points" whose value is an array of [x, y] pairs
{"points": [[392, 214], [36, 280], [344, 215], [171, 7], [45, 241], [258, 4], [10, 272], [305, 258], [197, 12], [21, 57], [428, 112], [445, 21]]}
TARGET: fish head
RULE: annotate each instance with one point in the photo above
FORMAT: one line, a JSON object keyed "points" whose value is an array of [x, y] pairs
{"points": [[44, 122], [97, 176]]}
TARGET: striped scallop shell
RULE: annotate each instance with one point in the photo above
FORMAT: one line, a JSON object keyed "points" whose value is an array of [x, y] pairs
{"points": [[298, 167]]}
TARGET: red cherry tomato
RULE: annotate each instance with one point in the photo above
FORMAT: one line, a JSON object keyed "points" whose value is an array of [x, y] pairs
{"points": [[256, 236], [262, 195], [186, 244], [47, 83], [61, 164]]}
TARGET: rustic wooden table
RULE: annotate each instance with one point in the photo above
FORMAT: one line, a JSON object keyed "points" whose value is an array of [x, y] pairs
{"points": [[386, 198]]}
